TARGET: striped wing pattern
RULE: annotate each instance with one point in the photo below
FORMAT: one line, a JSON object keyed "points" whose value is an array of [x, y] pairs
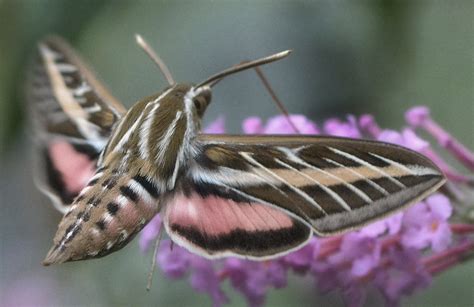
{"points": [[73, 116], [328, 184]]}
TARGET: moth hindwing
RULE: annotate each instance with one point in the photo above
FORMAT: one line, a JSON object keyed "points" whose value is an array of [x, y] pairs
{"points": [[219, 195]]}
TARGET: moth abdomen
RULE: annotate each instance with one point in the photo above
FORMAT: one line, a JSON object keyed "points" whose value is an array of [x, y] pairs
{"points": [[104, 217]]}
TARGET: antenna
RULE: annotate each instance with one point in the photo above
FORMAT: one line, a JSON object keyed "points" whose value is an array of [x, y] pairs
{"points": [[214, 79], [275, 98], [154, 56]]}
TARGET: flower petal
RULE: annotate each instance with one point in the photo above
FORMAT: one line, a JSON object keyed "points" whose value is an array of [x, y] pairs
{"points": [[217, 126], [252, 125], [417, 115], [440, 205]]}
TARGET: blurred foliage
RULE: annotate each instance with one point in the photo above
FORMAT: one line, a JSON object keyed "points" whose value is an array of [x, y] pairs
{"points": [[375, 57]]}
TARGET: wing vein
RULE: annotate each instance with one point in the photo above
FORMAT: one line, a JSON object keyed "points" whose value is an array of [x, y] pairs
{"points": [[368, 165], [369, 181], [295, 189], [293, 157], [334, 195]]}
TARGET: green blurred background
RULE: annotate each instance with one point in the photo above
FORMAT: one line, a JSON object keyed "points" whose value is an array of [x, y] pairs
{"points": [[378, 57]]}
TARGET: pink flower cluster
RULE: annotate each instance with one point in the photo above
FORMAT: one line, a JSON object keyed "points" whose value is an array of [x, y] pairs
{"points": [[397, 255]]}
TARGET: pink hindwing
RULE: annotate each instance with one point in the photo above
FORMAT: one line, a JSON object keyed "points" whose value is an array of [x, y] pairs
{"points": [[214, 227]]}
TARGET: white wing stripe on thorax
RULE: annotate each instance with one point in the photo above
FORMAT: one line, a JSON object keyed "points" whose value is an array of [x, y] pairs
{"points": [[127, 135], [144, 132], [167, 137]]}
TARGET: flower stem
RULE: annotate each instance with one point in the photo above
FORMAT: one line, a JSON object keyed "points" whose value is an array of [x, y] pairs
{"points": [[446, 168], [456, 252], [462, 228], [446, 140], [368, 124], [390, 240], [443, 265], [329, 246]]}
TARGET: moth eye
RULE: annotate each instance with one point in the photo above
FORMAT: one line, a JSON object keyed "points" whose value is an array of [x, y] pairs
{"points": [[199, 103]]}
